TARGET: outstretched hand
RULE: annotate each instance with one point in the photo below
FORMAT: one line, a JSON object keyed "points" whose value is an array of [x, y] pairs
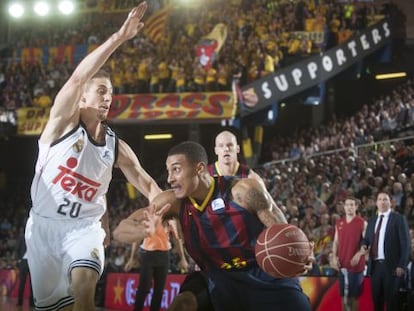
{"points": [[133, 24], [153, 217]]}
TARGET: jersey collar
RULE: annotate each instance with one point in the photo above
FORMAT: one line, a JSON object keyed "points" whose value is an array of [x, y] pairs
{"points": [[207, 198]]}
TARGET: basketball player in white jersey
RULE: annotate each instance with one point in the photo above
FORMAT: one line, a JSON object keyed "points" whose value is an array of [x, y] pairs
{"points": [[77, 153]]}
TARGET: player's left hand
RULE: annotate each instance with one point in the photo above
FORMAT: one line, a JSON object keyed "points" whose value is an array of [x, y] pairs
{"points": [[153, 217]]}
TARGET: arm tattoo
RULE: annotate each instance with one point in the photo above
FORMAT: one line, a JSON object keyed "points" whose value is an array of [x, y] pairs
{"points": [[255, 200], [278, 214]]}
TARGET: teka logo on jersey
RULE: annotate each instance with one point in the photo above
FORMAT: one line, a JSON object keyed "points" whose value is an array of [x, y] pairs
{"points": [[76, 184]]}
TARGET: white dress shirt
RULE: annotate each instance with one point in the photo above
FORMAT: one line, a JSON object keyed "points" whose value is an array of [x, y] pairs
{"points": [[381, 238]]}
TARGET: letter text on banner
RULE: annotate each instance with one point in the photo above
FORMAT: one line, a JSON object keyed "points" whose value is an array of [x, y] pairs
{"points": [[31, 121], [172, 107], [300, 76]]}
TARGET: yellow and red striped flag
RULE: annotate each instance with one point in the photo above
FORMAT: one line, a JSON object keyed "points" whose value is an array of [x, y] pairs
{"points": [[155, 25]]}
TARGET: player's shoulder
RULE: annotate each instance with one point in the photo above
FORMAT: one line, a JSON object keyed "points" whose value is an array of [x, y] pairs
{"points": [[109, 131], [246, 184]]}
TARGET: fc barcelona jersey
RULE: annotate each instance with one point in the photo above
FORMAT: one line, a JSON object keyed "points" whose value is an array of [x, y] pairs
{"points": [[218, 232], [241, 172]]}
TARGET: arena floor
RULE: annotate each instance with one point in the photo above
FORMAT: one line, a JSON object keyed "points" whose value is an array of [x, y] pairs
{"points": [[10, 304]]}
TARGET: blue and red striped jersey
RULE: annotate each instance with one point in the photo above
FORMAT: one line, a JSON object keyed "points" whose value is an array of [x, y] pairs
{"points": [[218, 232], [242, 170]]}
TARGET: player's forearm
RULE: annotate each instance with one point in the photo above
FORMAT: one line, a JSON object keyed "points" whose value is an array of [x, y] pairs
{"points": [[130, 231], [97, 58], [271, 216]]}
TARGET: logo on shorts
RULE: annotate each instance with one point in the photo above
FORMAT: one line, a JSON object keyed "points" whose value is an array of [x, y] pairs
{"points": [[78, 146], [217, 204], [95, 254]]}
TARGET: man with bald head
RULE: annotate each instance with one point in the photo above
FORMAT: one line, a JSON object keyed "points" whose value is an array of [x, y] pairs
{"points": [[227, 149]]}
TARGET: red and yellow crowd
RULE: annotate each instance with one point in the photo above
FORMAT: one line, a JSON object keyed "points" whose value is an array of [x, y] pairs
{"points": [[262, 37]]}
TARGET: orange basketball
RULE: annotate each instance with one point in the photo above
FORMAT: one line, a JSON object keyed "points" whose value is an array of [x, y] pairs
{"points": [[281, 250]]}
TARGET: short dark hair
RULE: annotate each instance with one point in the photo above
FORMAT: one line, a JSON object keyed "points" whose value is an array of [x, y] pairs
{"points": [[353, 198], [193, 151]]}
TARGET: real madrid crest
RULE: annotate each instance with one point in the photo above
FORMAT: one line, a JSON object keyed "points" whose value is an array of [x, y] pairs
{"points": [[78, 146], [95, 254]]}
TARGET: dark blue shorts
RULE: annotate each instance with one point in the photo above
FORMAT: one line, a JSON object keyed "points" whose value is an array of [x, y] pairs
{"points": [[247, 291], [355, 282]]}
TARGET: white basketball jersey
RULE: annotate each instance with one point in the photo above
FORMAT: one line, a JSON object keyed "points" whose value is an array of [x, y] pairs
{"points": [[72, 176]]}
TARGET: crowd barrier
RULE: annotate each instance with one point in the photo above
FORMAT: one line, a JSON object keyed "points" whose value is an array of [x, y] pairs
{"points": [[323, 292]]}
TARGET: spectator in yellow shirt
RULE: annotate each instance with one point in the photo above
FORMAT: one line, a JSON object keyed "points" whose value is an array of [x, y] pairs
{"points": [[42, 100]]}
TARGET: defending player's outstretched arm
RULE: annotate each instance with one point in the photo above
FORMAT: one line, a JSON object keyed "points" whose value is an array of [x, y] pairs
{"points": [[142, 223], [64, 114]]}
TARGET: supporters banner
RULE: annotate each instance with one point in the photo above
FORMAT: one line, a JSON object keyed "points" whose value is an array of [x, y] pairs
{"points": [[323, 292], [209, 46], [298, 77], [31, 121], [157, 22], [172, 107]]}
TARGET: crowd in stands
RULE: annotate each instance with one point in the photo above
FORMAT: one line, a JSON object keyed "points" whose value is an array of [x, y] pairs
{"points": [[262, 36], [312, 171]]}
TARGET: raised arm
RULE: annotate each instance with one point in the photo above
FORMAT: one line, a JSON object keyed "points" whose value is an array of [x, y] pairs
{"points": [[64, 114], [135, 173]]}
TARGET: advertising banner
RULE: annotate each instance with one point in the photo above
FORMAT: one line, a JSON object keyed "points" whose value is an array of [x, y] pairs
{"points": [[323, 292]]}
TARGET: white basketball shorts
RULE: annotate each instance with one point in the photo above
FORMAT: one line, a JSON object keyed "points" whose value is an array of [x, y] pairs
{"points": [[54, 248]]}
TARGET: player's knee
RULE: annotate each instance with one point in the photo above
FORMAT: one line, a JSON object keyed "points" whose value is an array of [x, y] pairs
{"points": [[185, 301]]}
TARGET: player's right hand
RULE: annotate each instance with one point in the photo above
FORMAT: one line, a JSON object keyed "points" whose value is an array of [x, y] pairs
{"points": [[133, 24]]}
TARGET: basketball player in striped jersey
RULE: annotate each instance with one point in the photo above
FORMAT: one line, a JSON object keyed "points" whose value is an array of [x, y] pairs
{"points": [[77, 153], [227, 150], [221, 218]]}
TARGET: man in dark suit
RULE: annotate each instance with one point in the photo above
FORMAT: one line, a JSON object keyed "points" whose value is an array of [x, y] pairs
{"points": [[388, 243]]}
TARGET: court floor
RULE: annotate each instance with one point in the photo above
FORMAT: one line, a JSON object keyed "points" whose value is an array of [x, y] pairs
{"points": [[10, 304]]}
